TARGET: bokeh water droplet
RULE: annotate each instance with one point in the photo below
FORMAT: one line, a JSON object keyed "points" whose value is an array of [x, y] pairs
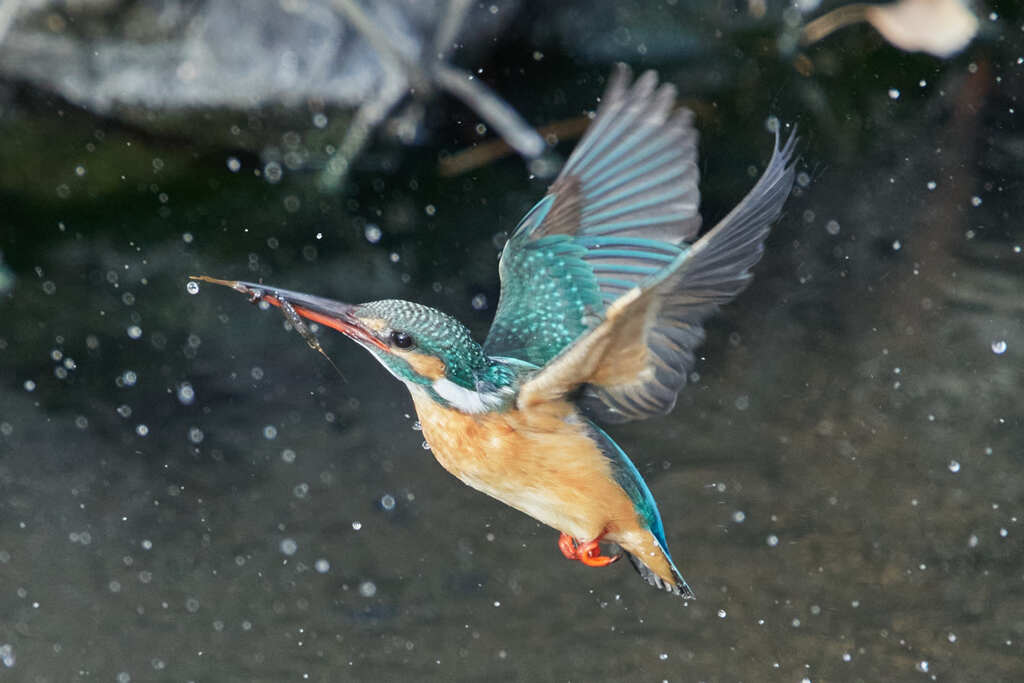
{"points": [[186, 394]]}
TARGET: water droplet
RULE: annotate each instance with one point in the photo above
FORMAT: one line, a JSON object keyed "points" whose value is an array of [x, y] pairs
{"points": [[289, 546], [192, 605], [931, 185], [951, 637], [832, 227], [739, 516], [273, 172], [922, 666], [772, 540], [1003, 532], [7, 655], [999, 347], [270, 432], [372, 233], [234, 165], [29, 385], [320, 120], [192, 287], [897, 245], [195, 435], [322, 566], [387, 501], [288, 455], [847, 656], [954, 466], [141, 430], [186, 394], [479, 302], [722, 614], [663, 656], [975, 201], [134, 331], [356, 526], [426, 446], [894, 94], [367, 589]]}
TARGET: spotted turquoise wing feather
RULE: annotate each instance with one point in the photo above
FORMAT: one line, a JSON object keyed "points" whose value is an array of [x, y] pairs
{"points": [[618, 213], [634, 362], [602, 289]]}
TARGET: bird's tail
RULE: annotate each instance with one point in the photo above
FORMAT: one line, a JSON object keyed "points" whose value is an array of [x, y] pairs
{"points": [[676, 586]]}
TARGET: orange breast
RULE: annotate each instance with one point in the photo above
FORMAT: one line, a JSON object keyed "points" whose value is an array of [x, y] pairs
{"points": [[541, 462]]}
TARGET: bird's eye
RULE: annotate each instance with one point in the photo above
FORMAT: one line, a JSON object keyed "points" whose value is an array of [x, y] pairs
{"points": [[401, 339]]}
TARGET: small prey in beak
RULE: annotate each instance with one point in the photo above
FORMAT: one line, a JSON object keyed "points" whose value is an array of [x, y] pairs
{"points": [[294, 313]]}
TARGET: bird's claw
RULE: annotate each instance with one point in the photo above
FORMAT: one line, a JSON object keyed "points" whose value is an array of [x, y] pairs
{"points": [[588, 553]]}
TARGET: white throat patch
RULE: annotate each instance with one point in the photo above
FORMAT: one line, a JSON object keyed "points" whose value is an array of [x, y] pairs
{"points": [[467, 400]]}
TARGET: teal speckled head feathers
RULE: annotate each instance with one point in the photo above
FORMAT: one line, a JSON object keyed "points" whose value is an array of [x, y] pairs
{"points": [[425, 346]]}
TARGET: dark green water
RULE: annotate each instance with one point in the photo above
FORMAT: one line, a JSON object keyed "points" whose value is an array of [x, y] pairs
{"points": [[188, 493]]}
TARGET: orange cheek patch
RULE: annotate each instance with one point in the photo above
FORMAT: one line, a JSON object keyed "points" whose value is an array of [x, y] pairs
{"points": [[428, 366], [375, 324]]}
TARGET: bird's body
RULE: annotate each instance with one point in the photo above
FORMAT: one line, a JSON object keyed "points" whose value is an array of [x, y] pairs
{"points": [[603, 295], [547, 463]]}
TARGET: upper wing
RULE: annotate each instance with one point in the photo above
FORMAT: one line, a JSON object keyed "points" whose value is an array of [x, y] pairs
{"points": [[617, 214], [634, 362]]}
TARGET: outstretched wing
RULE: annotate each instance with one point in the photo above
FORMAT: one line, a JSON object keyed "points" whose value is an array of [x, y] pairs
{"points": [[633, 363], [618, 214]]}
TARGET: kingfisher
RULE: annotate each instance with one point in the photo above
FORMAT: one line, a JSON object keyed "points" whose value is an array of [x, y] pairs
{"points": [[605, 285]]}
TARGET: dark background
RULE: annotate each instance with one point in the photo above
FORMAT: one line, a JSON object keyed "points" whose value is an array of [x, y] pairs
{"points": [[188, 493]]}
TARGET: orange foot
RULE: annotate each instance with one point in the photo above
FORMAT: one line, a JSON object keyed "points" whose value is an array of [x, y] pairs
{"points": [[588, 553]]}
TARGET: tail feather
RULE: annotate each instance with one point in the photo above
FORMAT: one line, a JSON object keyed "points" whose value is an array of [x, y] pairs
{"points": [[677, 587]]}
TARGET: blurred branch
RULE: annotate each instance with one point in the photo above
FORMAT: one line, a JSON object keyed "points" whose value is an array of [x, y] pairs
{"points": [[498, 114], [488, 152]]}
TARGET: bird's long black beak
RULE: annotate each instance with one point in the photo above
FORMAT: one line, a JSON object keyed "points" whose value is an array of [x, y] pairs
{"points": [[327, 312]]}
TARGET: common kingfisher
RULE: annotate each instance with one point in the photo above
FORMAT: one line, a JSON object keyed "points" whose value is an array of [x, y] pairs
{"points": [[603, 293]]}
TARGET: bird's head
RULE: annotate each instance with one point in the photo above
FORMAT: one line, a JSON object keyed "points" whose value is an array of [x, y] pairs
{"points": [[428, 350]]}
